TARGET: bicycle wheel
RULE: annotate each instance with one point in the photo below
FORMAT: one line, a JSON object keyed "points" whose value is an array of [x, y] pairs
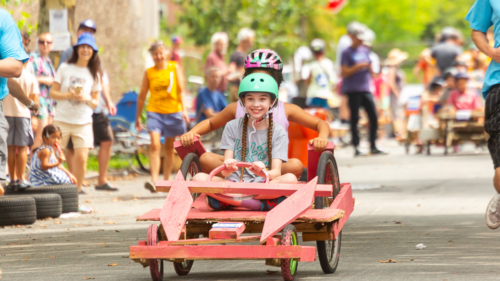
{"points": [[142, 158], [329, 250]]}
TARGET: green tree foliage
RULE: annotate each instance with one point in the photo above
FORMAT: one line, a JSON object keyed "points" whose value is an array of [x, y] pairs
{"points": [[22, 22], [285, 25], [280, 25]]}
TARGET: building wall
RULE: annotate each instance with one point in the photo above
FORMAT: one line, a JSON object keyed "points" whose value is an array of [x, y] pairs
{"points": [[125, 28]]}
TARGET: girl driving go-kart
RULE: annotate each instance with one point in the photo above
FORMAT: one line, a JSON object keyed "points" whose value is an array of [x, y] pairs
{"points": [[254, 138], [264, 62]]}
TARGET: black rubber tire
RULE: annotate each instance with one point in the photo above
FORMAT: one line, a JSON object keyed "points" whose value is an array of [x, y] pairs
{"points": [[191, 166], [286, 239], [68, 193], [17, 210], [328, 173], [48, 205]]}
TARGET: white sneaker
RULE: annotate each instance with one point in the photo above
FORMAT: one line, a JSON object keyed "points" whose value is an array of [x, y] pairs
{"points": [[149, 185], [493, 212]]}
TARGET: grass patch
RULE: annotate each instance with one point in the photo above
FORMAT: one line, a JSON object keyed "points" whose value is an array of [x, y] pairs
{"points": [[117, 162]]}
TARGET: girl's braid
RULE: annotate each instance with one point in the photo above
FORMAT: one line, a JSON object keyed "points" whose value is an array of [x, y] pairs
{"points": [[270, 140], [244, 143]]}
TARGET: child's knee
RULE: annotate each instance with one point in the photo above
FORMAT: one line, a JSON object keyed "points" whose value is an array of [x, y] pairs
{"points": [[288, 178], [200, 177]]}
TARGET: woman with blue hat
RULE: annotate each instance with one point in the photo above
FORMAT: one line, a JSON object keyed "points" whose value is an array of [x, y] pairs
{"points": [[76, 88]]}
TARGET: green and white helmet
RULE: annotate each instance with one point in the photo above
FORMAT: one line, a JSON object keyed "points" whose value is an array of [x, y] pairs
{"points": [[258, 83]]}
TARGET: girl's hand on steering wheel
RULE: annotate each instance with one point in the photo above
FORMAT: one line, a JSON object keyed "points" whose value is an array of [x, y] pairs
{"points": [[258, 168], [231, 165]]}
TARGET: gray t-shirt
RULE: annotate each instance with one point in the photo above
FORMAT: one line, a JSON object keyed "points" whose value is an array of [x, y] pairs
{"points": [[65, 56], [256, 146], [445, 55]]}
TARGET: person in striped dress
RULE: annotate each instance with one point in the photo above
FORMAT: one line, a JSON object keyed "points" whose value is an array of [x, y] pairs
{"points": [[46, 163]]}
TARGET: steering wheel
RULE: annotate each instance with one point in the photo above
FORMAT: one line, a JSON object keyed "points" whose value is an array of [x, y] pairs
{"points": [[239, 165], [236, 197]]}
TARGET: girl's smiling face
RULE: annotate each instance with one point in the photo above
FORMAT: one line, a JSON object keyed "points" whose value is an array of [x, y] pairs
{"points": [[257, 104]]}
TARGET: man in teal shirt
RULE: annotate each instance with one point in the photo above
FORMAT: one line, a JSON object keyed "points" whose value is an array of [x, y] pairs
{"points": [[12, 57], [483, 15]]}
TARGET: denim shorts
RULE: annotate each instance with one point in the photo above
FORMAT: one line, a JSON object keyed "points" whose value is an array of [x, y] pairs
{"points": [[168, 125]]}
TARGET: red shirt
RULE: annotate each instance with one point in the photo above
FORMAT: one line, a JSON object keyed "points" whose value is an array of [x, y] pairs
{"points": [[467, 100], [214, 59]]}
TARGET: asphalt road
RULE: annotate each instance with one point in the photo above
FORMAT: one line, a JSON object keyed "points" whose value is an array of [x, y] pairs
{"points": [[401, 201]]}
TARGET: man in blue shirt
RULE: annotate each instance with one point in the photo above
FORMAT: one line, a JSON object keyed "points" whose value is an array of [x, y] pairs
{"points": [[12, 57], [210, 101], [483, 15]]}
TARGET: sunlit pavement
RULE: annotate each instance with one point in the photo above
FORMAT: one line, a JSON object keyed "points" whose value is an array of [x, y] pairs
{"points": [[401, 201]]}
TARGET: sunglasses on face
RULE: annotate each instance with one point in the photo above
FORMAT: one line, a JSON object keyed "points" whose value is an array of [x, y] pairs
{"points": [[44, 42]]}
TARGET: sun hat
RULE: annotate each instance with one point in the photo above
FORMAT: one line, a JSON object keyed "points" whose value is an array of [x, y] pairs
{"points": [[317, 45], [87, 39], [395, 57], [88, 23], [461, 75]]}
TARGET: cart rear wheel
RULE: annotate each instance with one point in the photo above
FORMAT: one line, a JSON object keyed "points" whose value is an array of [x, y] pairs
{"points": [[183, 268], [155, 265], [289, 266], [329, 250], [191, 166]]}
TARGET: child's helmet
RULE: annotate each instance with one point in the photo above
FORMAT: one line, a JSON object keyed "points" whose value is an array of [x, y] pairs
{"points": [[258, 83], [264, 58]]}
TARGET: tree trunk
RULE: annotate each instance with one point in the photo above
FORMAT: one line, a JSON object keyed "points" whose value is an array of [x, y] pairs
{"points": [[44, 20]]}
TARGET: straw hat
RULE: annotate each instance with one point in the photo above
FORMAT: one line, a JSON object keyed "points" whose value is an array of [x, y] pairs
{"points": [[395, 57]]}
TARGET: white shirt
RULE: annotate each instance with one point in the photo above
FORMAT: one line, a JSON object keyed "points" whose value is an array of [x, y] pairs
{"points": [[322, 78], [71, 111], [12, 107]]}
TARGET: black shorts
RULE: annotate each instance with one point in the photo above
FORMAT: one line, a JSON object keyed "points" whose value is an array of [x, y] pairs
{"points": [[492, 123], [101, 128]]}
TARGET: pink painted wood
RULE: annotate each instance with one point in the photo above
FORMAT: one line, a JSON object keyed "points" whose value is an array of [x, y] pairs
{"points": [[202, 212], [229, 252], [239, 165], [343, 201], [313, 158], [273, 241], [174, 213], [312, 215], [202, 241], [288, 210], [197, 148], [245, 188], [226, 233]]}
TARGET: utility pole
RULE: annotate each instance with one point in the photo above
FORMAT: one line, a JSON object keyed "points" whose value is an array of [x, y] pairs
{"points": [[44, 20]]}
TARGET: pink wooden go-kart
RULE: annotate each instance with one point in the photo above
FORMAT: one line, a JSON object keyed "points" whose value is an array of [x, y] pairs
{"points": [[190, 230]]}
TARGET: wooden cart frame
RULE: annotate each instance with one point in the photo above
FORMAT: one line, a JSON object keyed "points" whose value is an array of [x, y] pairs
{"points": [[318, 209]]}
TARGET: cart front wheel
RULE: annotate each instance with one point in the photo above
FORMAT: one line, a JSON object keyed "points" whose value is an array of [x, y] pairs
{"points": [[191, 166], [328, 250], [289, 266], [155, 265]]}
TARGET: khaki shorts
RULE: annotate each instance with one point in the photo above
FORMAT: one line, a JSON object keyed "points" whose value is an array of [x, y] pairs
{"points": [[81, 135]]}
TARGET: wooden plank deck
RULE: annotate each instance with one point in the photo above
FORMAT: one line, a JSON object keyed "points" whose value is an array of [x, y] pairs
{"points": [[228, 252], [201, 213], [245, 188]]}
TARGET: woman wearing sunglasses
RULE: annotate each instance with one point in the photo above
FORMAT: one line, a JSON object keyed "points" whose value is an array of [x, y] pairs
{"points": [[42, 67]]}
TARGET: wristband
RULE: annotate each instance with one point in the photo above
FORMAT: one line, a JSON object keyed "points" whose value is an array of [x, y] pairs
{"points": [[31, 104]]}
